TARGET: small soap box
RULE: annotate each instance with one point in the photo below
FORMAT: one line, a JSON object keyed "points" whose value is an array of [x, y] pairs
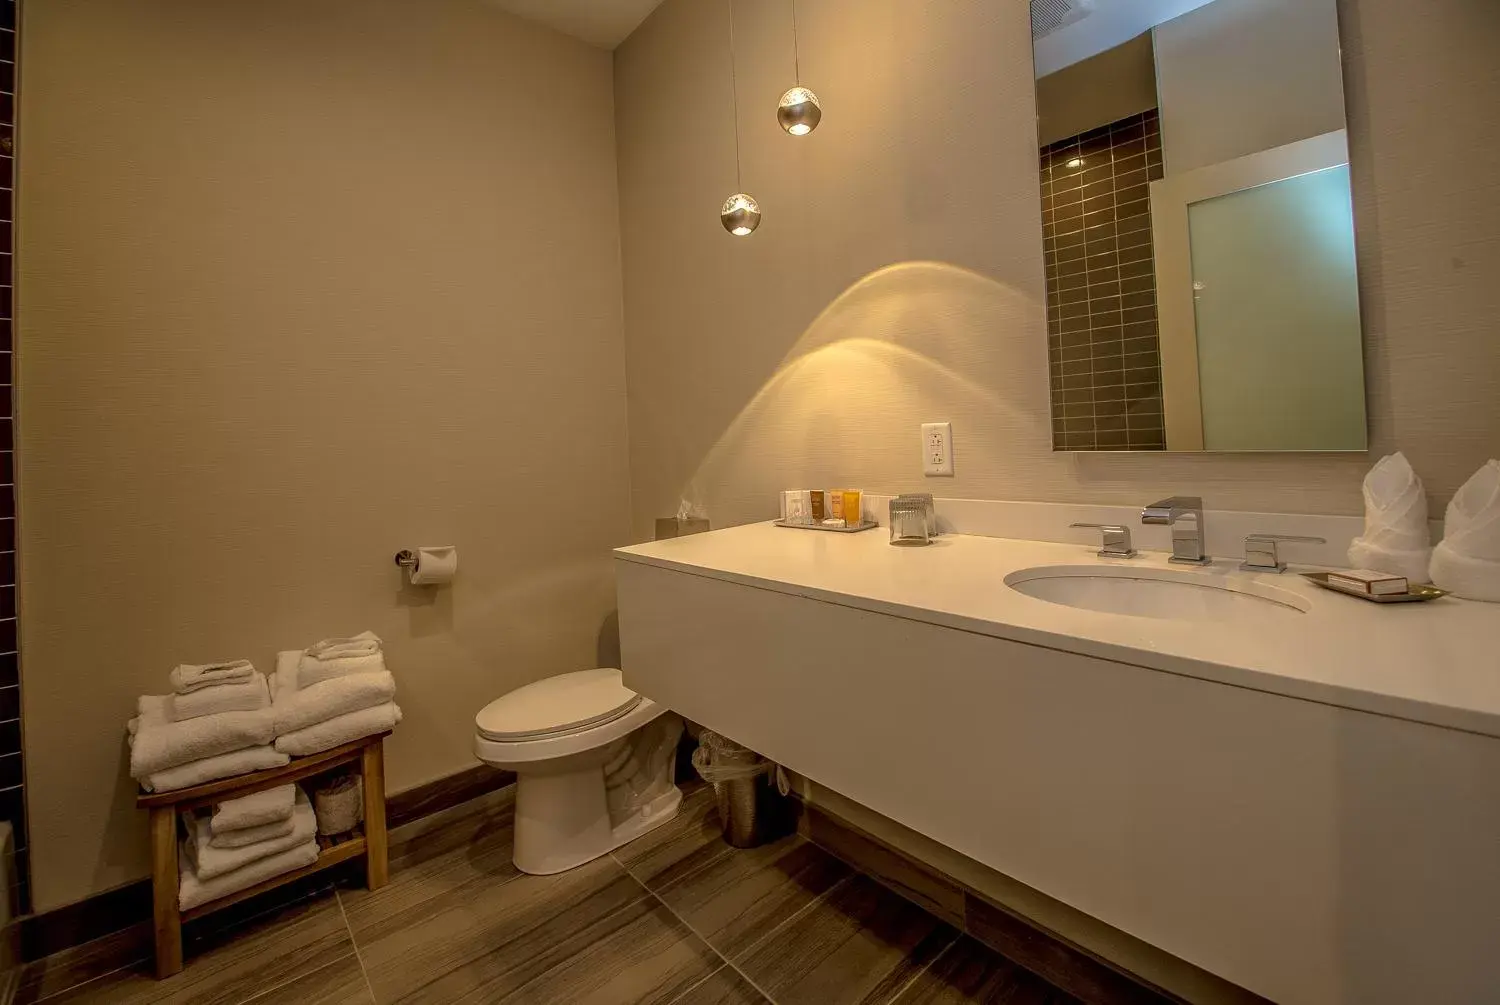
{"points": [[1376, 584]]}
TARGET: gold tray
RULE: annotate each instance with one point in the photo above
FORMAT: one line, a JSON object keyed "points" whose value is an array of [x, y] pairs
{"points": [[1413, 593]]}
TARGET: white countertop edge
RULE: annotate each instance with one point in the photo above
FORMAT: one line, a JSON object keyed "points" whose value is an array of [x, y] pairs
{"points": [[1377, 702]]}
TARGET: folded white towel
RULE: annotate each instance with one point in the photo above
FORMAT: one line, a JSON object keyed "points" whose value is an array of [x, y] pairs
{"points": [[211, 769], [340, 729], [210, 862], [193, 891], [362, 644], [298, 708], [159, 744], [311, 670], [1397, 538], [1467, 562], [253, 835], [244, 696], [268, 806], [188, 677]]}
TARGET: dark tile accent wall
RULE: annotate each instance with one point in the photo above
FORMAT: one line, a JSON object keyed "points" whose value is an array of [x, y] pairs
{"points": [[1101, 288], [12, 792]]}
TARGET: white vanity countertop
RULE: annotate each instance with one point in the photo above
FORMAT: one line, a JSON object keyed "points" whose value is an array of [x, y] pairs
{"points": [[1436, 662]]}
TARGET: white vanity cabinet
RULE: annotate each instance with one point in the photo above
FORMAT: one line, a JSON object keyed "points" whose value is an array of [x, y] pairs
{"points": [[1310, 852]]}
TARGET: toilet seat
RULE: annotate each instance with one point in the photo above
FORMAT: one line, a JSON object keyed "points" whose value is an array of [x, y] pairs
{"points": [[558, 706]]}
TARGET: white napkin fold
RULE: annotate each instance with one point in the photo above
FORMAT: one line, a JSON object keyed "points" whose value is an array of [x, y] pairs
{"points": [[1397, 538], [1467, 562]]}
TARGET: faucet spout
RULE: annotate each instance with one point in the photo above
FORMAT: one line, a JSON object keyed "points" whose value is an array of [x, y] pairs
{"points": [[1184, 514]]}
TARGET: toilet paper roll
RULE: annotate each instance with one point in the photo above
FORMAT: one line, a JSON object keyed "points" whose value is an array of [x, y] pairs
{"points": [[435, 566]]}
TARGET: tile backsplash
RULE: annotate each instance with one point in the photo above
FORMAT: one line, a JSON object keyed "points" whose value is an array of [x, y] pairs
{"points": [[1102, 352]]}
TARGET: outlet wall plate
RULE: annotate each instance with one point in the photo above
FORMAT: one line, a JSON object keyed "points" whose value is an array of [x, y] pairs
{"points": [[937, 448]]}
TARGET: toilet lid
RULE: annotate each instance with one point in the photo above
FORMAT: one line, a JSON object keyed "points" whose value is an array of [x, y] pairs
{"points": [[563, 704]]}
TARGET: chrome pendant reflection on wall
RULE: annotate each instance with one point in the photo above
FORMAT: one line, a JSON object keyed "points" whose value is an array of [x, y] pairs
{"points": [[740, 215], [799, 111]]}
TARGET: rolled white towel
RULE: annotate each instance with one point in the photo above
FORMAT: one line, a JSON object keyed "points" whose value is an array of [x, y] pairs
{"points": [[244, 696], [193, 891], [268, 806], [159, 743], [1467, 562], [1397, 538], [210, 862], [211, 769], [188, 677], [298, 708], [340, 729], [1465, 576]]}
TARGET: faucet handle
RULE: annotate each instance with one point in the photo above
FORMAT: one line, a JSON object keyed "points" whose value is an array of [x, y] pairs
{"points": [[1116, 540], [1261, 551]]}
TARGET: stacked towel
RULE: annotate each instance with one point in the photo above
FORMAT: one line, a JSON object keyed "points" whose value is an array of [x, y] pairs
{"points": [[210, 871], [333, 692], [1467, 562], [248, 820], [1396, 538], [333, 658], [217, 724]]}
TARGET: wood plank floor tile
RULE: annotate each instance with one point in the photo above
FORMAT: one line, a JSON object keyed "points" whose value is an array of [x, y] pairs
{"points": [[468, 935], [740, 897], [861, 943], [230, 967], [674, 849], [725, 987], [970, 973], [51, 975], [341, 982]]}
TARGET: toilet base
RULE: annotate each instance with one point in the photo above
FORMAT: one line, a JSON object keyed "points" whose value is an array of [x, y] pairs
{"points": [[562, 820]]}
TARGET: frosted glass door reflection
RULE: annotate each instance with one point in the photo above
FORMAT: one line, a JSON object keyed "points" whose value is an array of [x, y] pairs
{"points": [[1276, 300]]}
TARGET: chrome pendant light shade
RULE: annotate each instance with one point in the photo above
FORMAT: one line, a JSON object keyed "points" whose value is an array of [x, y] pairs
{"points": [[740, 215], [799, 111]]}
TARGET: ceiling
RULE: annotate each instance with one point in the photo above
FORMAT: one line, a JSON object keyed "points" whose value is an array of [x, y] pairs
{"points": [[604, 23], [1107, 24]]}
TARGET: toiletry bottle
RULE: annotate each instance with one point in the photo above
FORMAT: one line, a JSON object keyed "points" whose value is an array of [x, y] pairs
{"points": [[818, 507], [853, 509], [835, 505]]}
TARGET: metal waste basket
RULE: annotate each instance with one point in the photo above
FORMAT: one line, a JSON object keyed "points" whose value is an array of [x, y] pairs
{"points": [[751, 810]]}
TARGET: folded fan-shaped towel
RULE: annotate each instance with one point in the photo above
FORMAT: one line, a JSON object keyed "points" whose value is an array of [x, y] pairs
{"points": [[298, 708], [1467, 562], [188, 677], [1397, 538], [193, 891], [210, 862], [159, 743], [211, 769], [340, 729], [267, 806], [243, 696]]}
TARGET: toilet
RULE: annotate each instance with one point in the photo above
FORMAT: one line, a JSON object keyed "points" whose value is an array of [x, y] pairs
{"points": [[593, 763]]}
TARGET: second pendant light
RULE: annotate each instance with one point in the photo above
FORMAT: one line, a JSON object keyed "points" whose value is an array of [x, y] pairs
{"points": [[799, 110]]}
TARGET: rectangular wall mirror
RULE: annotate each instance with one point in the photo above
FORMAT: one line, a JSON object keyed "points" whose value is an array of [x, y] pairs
{"points": [[1197, 226]]}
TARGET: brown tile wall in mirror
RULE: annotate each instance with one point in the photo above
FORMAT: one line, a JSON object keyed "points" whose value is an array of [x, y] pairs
{"points": [[1101, 289], [12, 793]]}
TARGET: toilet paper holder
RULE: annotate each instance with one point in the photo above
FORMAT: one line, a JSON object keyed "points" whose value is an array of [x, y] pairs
{"points": [[406, 558]]}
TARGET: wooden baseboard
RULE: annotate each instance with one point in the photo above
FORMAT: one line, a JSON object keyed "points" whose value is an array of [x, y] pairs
{"points": [[129, 905], [1083, 974]]}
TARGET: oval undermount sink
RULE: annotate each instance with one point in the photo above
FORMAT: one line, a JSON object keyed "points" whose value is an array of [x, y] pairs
{"points": [[1155, 593]]}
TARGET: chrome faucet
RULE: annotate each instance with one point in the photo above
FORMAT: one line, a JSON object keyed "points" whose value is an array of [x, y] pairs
{"points": [[1187, 541]]}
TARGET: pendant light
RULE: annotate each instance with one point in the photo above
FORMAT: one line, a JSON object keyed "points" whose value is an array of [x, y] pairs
{"points": [[741, 213], [799, 110]]}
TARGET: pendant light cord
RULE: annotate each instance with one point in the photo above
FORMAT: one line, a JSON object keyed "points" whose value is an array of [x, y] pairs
{"points": [[796, 52], [734, 88]]}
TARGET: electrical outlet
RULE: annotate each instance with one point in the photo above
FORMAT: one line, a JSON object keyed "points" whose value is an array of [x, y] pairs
{"points": [[937, 448]]}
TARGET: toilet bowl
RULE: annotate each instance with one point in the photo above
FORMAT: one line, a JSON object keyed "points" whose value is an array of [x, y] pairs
{"points": [[593, 763]]}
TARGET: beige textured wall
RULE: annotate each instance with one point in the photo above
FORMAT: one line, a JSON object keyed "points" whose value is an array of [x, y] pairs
{"points": [[303, 284], [898, 274]]}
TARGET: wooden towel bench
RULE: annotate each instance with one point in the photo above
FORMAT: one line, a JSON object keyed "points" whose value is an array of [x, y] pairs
{"points": [[370, 841]]}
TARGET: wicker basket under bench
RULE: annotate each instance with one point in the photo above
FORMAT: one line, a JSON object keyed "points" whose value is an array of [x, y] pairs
{"points": [[370, 842]]}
